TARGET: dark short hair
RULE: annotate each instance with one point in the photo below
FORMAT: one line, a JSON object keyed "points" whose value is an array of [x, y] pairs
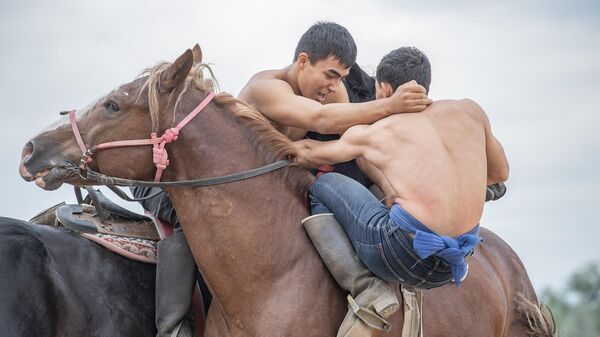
{"points": [[324, 39], [403, 65]]}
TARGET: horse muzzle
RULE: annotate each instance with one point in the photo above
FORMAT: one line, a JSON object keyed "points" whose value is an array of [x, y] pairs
{"points": [[48, 173]]}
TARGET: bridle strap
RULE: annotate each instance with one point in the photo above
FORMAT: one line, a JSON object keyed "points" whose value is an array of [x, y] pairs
{"points": [[76, 132], [159, 153], [160, 158]]}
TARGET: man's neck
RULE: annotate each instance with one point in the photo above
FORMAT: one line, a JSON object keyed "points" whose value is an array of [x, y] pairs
{"points": [[291, 77]]}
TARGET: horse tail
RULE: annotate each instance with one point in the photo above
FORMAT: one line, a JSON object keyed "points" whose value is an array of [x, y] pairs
{"points": [[538, 318]]}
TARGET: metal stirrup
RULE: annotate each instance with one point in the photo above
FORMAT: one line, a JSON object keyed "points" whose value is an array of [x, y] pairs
{"points": [[369, 317]]}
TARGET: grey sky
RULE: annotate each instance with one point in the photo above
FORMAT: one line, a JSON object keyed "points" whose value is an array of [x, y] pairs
{"points": [[533, 66]]}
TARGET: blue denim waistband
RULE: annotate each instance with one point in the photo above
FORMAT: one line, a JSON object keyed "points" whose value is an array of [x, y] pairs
{"points": [[427, 243]]}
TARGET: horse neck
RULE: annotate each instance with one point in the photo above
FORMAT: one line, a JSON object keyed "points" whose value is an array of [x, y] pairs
{"points": [[241, 233]]}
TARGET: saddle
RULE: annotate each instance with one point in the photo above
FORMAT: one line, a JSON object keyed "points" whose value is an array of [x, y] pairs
{"points": [[102, 221], [121, 231]]}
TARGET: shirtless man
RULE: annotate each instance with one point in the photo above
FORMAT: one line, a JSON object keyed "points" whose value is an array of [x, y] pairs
{"points": [[293, 99], [306, 95], [437, 163]]}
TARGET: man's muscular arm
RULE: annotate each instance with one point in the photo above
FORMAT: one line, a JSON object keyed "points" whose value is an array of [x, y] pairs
{"points": [[497, 164], [312, 153], [276, 100], [378, 178]]}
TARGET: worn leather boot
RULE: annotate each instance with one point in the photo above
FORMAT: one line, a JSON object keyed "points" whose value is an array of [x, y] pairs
{"points": [[371, 299], [175, 279]]}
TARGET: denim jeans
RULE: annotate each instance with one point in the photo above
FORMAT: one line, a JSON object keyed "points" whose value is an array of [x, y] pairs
{"points": [[384, 247]]}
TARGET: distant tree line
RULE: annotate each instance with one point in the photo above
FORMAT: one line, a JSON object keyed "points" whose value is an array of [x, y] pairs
{"points": [[576, 308]]}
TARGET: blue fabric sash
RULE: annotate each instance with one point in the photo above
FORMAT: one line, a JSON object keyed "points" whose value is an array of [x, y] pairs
{"points": [[427, 243]]}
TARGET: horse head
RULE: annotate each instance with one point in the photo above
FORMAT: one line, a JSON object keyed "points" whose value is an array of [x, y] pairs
{"points": [[132, 111]]}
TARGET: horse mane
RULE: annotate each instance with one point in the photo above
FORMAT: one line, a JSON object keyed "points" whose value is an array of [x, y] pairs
{"points": [[153, 74], [269, 142], [266, 139]]}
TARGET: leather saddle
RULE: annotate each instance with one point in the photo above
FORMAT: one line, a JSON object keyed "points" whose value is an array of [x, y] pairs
{"points": [[97, 214]]}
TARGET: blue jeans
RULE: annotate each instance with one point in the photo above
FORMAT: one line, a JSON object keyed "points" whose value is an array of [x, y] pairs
{"points": [[384, 247]]}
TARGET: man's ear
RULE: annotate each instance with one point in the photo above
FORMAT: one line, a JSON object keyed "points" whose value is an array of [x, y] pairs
{"points": [[303, 59], [385, 89], [176, 73]]}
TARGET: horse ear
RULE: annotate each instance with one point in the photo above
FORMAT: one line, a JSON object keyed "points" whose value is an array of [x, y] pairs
{"points": [[176, 73], [197, 54]]}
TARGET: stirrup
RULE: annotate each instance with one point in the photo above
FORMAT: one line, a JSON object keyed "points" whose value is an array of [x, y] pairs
{"points": [[369, 317]]}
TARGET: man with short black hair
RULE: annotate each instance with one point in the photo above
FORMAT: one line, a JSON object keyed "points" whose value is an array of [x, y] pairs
{"points": [[403, 65], [436, 164], [307, 95]]}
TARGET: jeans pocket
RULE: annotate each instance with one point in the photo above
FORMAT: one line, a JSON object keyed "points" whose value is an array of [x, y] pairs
{"points": [[402, 260], [431, 272], [371, 256]]}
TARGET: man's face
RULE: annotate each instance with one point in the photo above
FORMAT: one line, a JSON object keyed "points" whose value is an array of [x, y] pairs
{"points": [[318, 80]]}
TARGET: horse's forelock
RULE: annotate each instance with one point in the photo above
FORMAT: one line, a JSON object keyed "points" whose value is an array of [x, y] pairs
{"points": [[153, 74]]}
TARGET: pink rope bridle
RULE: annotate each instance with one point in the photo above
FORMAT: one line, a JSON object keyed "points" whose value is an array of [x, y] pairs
{"points": [[160, 157]]}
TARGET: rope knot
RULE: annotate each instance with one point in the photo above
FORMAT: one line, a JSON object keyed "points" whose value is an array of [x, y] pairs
{"points": [[170, 135], [160, 157]]}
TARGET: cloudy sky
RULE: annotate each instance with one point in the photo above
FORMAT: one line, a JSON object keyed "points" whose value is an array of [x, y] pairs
{"points": [[532, 65]]}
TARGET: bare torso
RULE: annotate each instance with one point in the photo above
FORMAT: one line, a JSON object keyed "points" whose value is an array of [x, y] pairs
{"points": [[435, 161]]}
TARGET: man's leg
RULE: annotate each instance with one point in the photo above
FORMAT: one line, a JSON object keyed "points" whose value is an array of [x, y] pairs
{"points": [[160, 205], [355, 207], [175, 270], [371, 299]]}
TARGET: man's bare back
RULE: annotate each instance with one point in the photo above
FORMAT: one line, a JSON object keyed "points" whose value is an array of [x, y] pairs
{"points": [[435, 161]]}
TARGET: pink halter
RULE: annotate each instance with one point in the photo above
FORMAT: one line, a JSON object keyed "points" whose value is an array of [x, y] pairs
{"points": [[160, 157]]}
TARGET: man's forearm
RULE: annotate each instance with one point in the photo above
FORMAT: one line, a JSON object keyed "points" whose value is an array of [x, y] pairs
{"points": [[312, 153], [335, 118]]}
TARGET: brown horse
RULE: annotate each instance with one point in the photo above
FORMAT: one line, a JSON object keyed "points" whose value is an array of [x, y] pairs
{"points": [[265, 275]]}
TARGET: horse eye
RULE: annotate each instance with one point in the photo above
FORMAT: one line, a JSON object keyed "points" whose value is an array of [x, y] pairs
{"points": [[112, 106]]}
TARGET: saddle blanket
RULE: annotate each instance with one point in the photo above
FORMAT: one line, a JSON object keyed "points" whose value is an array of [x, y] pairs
{"points": [[141, 250]]}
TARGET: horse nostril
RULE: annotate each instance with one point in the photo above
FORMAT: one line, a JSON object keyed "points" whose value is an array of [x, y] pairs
{"points": [[27, 152], [26, 155]]}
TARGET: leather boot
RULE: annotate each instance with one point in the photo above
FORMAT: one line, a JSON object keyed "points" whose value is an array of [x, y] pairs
{"points": [[371, 299], [175, 279]]}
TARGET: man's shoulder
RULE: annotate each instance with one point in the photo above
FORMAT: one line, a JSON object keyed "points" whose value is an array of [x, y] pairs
{"points": [[265, 84], [269, 79], [464, 111], [459, 106], [274, 74], [464, 102]]}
